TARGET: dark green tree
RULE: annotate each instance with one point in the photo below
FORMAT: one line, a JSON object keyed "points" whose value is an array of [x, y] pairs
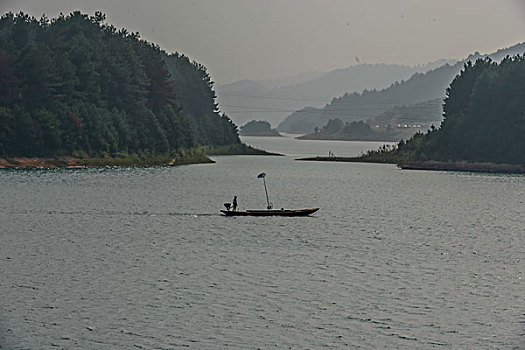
{"points": [[74, 83]]}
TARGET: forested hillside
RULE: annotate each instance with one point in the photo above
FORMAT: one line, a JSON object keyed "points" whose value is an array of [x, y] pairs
{"points": [[484, 118], [75, 84], [425, 113]]}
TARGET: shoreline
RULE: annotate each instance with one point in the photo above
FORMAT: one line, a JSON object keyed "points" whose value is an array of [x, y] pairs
{"points": [[463, 166], [69, 162], [334, 159], [476, 167], [263, 134], [238, 150], [359, 139], [129, 160]]}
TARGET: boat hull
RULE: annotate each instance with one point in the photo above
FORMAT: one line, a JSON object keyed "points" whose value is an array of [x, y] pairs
{"points": [[295, 212]]}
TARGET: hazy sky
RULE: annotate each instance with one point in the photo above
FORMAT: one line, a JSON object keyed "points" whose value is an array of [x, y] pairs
{"points": [[238, 39]]}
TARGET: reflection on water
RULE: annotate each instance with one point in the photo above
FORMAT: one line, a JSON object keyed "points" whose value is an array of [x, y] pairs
{"points": [[139, 258]]}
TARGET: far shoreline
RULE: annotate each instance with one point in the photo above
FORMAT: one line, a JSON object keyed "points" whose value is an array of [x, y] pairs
{"points": [[354, 139], [263, 134]]}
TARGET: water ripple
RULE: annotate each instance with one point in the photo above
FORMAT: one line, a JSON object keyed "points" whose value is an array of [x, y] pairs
{"points": [[121, 259]]}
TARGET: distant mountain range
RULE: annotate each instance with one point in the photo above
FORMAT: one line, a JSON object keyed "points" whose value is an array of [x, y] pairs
{"points": [[361, 92], [290, 80], [269, 100], [369, 104]]}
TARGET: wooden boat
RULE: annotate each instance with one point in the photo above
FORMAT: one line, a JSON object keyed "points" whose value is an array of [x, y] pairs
{"points": [[271, 212]]}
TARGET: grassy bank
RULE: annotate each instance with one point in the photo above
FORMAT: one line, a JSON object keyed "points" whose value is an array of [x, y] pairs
{"points": [[79, 159]]}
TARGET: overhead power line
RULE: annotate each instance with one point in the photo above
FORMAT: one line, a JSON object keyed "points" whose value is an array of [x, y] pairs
{"points": [[276, 98], [339, 100]]}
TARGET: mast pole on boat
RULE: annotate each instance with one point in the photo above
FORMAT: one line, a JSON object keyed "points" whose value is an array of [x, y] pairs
{"points": [[263, 175], [266, 190]]}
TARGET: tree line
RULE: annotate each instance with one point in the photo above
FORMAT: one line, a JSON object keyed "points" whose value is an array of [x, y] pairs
{"points": [[484, 117], [76, 84]]}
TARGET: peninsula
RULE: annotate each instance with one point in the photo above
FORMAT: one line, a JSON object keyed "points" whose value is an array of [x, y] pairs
{"points": [[78, 92], [483, 125]]}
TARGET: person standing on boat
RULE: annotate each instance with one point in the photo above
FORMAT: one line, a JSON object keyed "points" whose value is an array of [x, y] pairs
{"points": [[234, 203]]}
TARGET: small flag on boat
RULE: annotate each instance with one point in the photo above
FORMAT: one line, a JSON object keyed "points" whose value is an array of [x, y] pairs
{"points": [[261, 175]]}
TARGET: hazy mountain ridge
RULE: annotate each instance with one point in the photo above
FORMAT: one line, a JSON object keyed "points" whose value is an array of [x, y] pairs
{"points": [[290, 80], [368, 104], [246, 100]]}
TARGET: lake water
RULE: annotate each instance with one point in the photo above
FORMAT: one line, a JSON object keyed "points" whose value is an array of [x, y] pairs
{"points": [[139, 258]]}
